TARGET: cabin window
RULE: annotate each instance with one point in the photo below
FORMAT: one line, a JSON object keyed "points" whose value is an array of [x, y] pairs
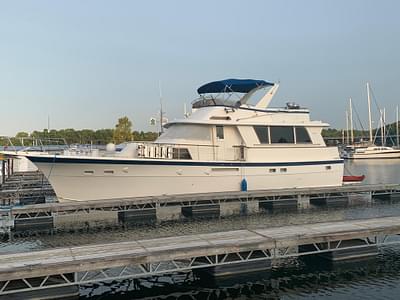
{"points": [[187, 132], [272, 170], [181, 153], [88, 172], [108, 171], [302, 135], [328, 167], [220, 132], [262, 134], [283, 170], [282, 134]]}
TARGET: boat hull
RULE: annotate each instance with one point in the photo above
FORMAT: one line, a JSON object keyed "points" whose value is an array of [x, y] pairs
{"points": [[95, 179], [377, 155]]}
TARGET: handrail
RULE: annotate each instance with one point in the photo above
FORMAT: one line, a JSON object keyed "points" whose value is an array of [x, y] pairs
{"points": [[36, 143]]}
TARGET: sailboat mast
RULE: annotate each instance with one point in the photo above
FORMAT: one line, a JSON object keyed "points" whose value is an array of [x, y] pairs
{"points": [[384, 126], [342, 136], [351, 121], [347, 128], [369, 113], [397, 125], [381, 123]]}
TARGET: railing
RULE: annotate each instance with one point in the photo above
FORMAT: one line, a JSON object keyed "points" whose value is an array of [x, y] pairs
{"points": [[135, 149], [32, 144]]}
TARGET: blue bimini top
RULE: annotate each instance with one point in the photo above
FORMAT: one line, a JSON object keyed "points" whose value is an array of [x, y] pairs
{"points": [[232, 86]]}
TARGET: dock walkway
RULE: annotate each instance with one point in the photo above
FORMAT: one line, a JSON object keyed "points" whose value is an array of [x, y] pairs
{"points": [[64, 215], [117, 261], [206, 199]]}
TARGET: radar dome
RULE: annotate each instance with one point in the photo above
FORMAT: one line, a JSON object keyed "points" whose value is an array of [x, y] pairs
{"points": [[110, 147]]}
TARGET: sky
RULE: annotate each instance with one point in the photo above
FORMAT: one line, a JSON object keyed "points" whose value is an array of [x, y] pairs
{"points": [[84, 64]]}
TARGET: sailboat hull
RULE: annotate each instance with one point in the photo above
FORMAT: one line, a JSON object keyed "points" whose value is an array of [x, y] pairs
{"points": [[389, 154]]}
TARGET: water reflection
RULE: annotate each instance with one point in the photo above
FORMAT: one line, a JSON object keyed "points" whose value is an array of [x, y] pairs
{"points": [[374, 279], [376, 170]]}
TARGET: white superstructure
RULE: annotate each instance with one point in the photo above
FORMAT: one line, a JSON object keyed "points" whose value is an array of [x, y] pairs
{"points": [[224, 145]]}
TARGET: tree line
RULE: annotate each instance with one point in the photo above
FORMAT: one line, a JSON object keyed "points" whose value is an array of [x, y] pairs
{"points": [[121, 133], [338, 133]]}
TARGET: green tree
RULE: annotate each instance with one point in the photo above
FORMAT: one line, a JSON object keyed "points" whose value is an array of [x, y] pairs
{"points": [[22, 134], [104, 136], [123, 131]]}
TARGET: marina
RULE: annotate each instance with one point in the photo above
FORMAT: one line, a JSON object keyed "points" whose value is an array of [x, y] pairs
{"points": [[213, 150], [241, 169]]}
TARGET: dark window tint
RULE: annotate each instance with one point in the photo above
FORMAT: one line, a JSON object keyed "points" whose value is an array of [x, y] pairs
{"points": [[282, 134], [302, 135], [220, 132], [181, 153], [262, 133]]}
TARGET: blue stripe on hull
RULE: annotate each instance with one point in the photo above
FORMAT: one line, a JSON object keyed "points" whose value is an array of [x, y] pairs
{"points": [[67, 160]]}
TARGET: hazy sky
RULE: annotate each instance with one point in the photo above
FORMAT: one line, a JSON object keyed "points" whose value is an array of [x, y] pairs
{"points": [[86, 63]]}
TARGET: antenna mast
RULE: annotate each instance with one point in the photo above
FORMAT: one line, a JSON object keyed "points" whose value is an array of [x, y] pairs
{"points": [[161, 109]]}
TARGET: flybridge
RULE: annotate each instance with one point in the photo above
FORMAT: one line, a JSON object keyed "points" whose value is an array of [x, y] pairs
{"points": [[234, 93]]}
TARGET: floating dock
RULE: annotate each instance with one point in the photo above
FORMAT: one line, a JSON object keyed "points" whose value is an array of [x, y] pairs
{"points": [[64, 215], [23, 274], [22, 188]]}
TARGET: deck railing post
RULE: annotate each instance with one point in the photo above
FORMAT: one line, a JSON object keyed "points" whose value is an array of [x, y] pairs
{"points": [[3, 172]]}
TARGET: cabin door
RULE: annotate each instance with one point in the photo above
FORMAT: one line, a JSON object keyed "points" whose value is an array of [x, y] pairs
{"points": [[220, 142]]}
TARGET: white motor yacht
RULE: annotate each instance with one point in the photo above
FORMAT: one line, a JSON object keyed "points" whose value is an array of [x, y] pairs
{"points": [[225, 145]]}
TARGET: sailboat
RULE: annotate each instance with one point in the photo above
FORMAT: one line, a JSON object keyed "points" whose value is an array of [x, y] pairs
{"points": [[373, 151]]}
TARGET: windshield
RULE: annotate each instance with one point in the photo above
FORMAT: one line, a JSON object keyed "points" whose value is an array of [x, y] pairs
{"points": [[215, 101]]}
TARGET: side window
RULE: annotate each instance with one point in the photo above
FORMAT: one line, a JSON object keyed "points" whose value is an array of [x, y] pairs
{"points": [[181, 153], [302, 135], [220, 132], [282, 134], [262, 134]]}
